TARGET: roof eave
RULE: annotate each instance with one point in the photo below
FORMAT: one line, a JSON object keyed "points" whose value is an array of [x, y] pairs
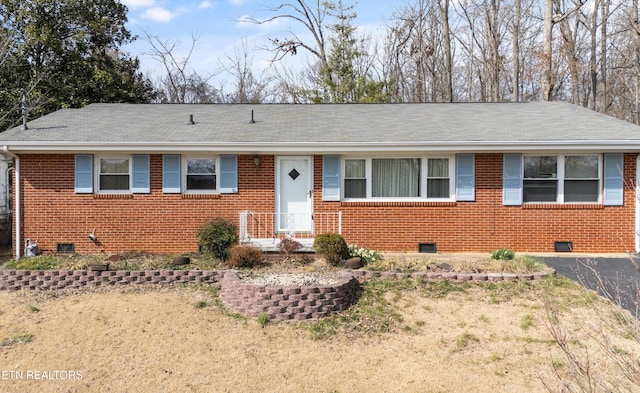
{"points": [[324, 147]]}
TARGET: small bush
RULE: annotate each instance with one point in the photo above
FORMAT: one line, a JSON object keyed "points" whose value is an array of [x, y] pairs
{"points": [[288, 246], [332, 247], [245, 256], [503, 254], [368, 256], [263, 319], [217, 237]]}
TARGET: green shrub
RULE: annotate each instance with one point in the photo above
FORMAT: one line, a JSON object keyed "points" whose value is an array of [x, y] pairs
{"points": [[263, 319], [503, 254], [332, 247], [245, 256], [217, 237]]}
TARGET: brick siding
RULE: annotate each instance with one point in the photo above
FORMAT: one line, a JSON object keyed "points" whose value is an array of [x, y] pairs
{"points": [[168, 223], [485, 224]]}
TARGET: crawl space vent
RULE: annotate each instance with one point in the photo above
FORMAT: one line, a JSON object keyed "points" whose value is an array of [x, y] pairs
{"points": [[65, 248], [563, 246], [427, 247]]}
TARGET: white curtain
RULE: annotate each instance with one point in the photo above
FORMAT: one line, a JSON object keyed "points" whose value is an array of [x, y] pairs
{"points": [[355, 183], [395, 177], [438, 178]]}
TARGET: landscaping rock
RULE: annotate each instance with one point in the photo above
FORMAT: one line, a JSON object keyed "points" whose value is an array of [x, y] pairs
{"points": [[180, 260], [445, 267], [320, 263], [116, 258], [98, 267], [353, 263]]}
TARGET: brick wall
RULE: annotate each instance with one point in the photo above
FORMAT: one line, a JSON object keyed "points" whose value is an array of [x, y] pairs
{"points": [[52, 213], [486, 225]]}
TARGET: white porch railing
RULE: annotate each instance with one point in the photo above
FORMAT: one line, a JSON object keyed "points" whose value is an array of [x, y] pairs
{"points": [[255, 227]]}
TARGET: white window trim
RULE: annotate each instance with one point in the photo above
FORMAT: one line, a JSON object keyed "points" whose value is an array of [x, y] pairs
{"points": [[452, 179], [423, 178], [183, 180], [561, 178], [97, 173]]}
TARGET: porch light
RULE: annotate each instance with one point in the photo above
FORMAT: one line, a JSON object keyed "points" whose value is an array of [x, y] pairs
{"points": [[256, 161]]}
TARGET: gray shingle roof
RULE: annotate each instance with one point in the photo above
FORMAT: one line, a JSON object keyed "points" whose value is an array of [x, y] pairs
{"points": [[352, 127]]}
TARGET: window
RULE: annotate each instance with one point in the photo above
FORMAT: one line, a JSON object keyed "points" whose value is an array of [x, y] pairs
{"points": [[355, 181], [581, 183], [438, 178], [398, 178], [561, 179], [201, 174], [395, 177], [114, 173], [540, 183]]}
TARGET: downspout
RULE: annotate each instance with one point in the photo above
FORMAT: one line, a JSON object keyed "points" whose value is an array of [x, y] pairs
{"points": [[16, 188]]}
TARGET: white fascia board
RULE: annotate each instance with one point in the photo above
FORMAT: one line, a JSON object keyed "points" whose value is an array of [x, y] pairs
{"points": [[326, 147]]}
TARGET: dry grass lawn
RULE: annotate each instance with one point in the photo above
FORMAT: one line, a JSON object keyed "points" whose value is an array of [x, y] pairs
{"points": [[402, 337]]}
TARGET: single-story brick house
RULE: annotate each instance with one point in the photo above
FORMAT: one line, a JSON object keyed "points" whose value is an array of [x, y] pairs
{"points": [[540, 176]]}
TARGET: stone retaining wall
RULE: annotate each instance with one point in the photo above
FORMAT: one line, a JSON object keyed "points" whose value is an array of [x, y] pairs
{"points": [[364, 275], [280, 303], [16, 280]]}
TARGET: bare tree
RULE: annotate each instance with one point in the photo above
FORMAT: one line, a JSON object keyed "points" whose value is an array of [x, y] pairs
{"points": [[419, 57], [634, 29], [604, 44], [515, 45], [546, 79], [309, 14], [554, 13], [179, 84], [289, 86], [485, 22], [443, 11], [579, 372], [246, 88]]}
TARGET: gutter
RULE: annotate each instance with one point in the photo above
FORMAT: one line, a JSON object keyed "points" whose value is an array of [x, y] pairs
{"points": [[325, 147], [5, 149]]}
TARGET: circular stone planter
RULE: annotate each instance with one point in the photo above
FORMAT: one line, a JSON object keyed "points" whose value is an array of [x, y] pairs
{"points": [[288, 296]]}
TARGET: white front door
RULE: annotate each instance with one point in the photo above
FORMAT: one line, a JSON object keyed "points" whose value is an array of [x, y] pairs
{"points": [[294, 196]]}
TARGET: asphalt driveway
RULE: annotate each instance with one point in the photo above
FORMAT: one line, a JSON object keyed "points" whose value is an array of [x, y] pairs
{"points": [[613, 277]]}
